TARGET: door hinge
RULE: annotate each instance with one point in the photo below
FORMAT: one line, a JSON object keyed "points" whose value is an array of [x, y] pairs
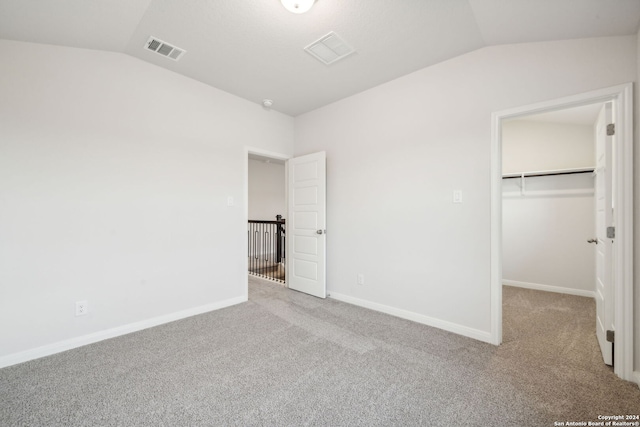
{"points": [[611, 336], [611, 232], [611, 129]]}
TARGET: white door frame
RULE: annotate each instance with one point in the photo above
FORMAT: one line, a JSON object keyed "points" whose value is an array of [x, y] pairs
{"points": [[271, 155], [622, 98]]}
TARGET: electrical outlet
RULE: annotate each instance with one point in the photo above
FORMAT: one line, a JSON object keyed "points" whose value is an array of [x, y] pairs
{"points": [[457, 196], [360, 279], [82, 308]]}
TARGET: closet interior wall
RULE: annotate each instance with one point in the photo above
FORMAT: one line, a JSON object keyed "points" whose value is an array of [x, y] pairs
{"points": [[548, 216]]}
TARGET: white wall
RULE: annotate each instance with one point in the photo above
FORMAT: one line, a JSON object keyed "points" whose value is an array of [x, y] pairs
{"points": [[395, 154], [266, 190], [545, 236], [545, 231], [114, 178], [532, 146]]}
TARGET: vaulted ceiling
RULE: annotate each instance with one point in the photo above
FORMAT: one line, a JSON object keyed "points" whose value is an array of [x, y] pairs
{"points": [[254, 48]]}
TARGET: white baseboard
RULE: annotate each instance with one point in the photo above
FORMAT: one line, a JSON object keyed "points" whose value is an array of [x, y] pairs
{"points": [[549, 288], [419, 318], [47, 350]]}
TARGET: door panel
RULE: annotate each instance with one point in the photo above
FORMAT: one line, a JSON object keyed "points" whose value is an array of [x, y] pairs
{"points": [[604, 218], [306, 242]]}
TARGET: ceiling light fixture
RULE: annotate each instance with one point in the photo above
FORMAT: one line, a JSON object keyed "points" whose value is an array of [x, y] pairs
{"points": [[297, 6]]}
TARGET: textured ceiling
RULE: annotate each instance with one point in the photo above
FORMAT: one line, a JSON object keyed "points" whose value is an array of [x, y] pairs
{"points": [[254, 49]]}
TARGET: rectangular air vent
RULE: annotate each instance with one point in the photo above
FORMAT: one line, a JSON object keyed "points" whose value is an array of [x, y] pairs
{"points": [[329, 49], [163, 48]]}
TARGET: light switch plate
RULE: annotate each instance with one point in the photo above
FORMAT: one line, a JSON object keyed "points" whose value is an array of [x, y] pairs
{"points": [[457, 196]]}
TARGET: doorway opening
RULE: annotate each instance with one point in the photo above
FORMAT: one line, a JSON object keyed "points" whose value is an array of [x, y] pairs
{"points": [[550, 291], [266, 197], [565, 180], [305, 204]]}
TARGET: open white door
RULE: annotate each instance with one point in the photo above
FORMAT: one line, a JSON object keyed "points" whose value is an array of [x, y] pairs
{"points": [[604, 246], [306, 227]]}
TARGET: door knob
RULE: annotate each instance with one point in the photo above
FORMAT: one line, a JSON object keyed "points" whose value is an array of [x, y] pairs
{"points": [[319, 231], [593, 241]]}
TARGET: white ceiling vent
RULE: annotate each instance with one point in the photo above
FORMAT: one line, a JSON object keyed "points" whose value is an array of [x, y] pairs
{"points": [[165, 49], [329, 49]]}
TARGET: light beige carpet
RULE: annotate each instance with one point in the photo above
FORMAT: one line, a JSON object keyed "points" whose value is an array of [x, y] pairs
{"points": [[289, 359]]}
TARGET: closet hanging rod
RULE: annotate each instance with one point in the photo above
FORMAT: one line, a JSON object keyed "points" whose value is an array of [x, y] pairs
{"points": [[548, 173]]}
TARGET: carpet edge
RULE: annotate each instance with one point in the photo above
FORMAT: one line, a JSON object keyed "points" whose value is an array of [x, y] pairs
{"points": [[71, 343], [455, 328], [549, 288]]}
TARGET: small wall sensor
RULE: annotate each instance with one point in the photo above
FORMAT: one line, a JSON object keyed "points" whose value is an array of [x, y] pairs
{"points": [[267, 103]]}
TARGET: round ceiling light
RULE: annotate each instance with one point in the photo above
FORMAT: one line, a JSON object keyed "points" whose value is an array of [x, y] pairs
{"points": [[297, 6]]}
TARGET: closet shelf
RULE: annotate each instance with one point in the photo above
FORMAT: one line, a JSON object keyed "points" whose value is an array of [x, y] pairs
{"points": [[548, 172]]}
